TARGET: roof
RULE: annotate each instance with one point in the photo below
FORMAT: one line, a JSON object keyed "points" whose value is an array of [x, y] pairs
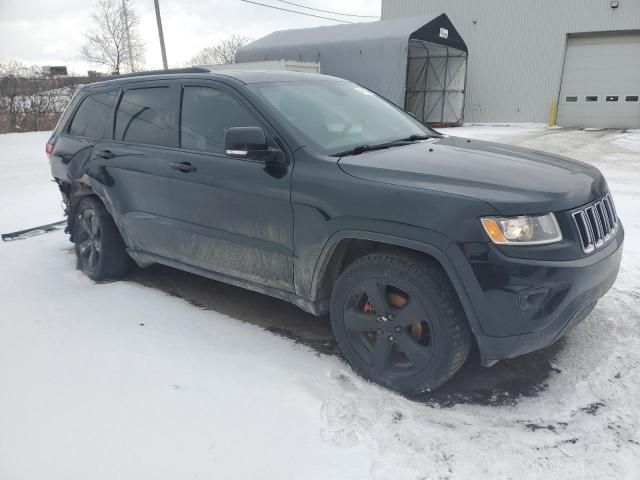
{"points": [[266, 76], [398, 29], [247, 76]]}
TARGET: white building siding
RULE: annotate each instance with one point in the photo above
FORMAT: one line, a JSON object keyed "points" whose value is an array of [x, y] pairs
{"points": [[517, 47]]}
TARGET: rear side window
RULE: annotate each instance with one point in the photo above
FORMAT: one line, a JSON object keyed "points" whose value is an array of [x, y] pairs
{"points": [[92, 116], [206, 115], [144, 116]]}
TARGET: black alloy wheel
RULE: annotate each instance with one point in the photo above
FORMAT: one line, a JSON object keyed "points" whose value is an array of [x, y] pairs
{"points": [[398, 321], [89, 240], [388, 327], [100, 251]]}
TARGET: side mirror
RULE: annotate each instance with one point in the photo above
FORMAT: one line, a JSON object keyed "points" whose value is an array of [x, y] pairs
{"points": [[251, 143]]}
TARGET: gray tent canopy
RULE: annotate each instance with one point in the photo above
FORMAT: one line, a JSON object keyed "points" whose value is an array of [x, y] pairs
{"points": [[418, 63]]}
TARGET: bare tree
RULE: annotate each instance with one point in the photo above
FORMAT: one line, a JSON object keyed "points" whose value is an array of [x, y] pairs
{"points": [[223, 52], [107, 44]]}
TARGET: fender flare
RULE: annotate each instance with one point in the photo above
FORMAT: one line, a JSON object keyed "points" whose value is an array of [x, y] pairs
{"points": [[435, 252]]}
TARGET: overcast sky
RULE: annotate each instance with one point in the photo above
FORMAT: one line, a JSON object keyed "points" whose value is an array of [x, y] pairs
{"points": [[44, 32]]}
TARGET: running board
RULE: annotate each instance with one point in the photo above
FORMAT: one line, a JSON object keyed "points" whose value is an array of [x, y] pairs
{"points": [[34, 231]]}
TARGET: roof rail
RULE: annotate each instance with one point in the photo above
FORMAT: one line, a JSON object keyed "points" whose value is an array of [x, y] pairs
{"points": [[157, 72]]}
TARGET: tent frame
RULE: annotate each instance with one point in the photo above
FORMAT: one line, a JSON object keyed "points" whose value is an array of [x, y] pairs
{"points": [[446, 87]]}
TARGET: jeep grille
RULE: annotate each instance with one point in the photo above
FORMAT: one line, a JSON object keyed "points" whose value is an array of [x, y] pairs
{"points": [[597, 224]]}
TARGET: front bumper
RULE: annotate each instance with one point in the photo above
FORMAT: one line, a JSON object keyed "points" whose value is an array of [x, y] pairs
{"points": [[524, 305]]}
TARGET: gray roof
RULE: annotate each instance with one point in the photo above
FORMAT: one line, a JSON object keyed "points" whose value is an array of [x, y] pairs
{"points": [[373, 54], [400, 28]]}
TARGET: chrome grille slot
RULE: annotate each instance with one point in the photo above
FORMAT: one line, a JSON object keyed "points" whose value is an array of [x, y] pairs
{"points": [[604, 221], [594, 224], [584, 231], [597, 224], [608, 205]]}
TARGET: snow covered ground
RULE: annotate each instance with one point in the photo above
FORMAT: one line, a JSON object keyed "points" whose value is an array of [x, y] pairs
{"points": [[121, 381], [27, 192]]}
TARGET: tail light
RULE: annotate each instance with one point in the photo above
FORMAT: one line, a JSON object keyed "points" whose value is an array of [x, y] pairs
{"points": [[49, 149]]}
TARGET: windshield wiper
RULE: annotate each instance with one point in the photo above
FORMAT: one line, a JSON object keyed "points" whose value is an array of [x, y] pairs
{"points": [[416, 137], [394, 143], [363, 148]]}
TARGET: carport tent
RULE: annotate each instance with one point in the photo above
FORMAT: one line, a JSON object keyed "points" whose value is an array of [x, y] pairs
{"points": [[418, 63]]}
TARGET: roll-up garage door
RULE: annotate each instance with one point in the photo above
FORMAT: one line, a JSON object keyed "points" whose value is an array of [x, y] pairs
{"points": [[601, 81]]}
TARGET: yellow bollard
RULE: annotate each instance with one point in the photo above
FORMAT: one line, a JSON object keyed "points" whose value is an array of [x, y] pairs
{"points": [[553, 112]]}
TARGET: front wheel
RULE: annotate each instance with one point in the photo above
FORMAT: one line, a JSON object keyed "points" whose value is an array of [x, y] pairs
{"points": [[99, 247], [399, 322]]}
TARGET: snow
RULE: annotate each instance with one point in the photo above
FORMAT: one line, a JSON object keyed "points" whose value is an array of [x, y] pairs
{"points": [[29, 195], [118, 380]]}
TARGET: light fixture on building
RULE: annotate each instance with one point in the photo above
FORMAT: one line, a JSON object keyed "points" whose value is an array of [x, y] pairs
{"points": [[615, 4]]}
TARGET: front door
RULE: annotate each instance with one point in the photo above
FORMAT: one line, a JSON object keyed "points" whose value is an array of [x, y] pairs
{"points": [[229, 215]]}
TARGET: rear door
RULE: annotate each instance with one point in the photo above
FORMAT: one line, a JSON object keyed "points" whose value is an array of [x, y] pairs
{"points": [[131, 168], [233, 216]]}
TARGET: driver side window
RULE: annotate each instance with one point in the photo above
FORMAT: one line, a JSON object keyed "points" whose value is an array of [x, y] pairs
{"points": [[206, 115]]}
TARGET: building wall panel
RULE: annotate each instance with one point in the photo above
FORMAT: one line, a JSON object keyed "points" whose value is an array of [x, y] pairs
{"points": [[517, 47]]}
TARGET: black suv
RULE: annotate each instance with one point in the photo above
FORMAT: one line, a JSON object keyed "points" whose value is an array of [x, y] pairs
{"points": [[315, 190]]}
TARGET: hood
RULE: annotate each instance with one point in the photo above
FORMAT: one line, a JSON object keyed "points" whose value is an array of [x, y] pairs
{"points": [[513, 180]]}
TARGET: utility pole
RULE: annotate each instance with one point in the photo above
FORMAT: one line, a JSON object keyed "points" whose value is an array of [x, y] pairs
{"points": [[161, 35], [126, 24]]}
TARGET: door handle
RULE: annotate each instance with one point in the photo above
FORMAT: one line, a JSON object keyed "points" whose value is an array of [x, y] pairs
{"points": [[184, 167], [105, 154]]}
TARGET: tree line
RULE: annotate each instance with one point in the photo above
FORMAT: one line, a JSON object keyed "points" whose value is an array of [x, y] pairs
{"points": [[31, 101]]}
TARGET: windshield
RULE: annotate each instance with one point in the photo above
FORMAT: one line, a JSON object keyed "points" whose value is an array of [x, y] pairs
{"points": [[337, 116]]}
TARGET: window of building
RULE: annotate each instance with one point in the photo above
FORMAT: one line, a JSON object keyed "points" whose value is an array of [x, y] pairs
{"points": [[612, 98], [592, 98], [631, 98], [571, 99]]}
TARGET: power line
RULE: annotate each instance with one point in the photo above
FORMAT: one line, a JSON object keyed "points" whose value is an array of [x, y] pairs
{"points": [[294, 11], [326, 11]]}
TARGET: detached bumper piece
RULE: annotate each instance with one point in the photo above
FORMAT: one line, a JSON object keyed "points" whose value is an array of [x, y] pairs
{"points": [[34, 231]]}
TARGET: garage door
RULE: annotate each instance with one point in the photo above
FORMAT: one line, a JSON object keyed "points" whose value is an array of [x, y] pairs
{"points": [[601, 82]]}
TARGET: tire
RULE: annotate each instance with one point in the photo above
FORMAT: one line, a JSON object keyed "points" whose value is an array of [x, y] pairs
{"points": [[399, 323], [100, 250]]}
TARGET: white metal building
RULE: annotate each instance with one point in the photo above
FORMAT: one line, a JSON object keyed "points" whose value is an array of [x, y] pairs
{"points": [[523, 54]]}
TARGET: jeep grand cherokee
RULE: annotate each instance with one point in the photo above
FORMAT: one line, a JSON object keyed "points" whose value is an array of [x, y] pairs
{"points": [[317, 191]]}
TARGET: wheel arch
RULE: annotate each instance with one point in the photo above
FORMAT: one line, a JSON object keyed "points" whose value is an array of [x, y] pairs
{"points": [[73, 193], [346, 246]]}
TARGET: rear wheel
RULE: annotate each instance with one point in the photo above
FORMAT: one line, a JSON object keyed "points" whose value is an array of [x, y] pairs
{"points": [[99, 248], [399, 323]]}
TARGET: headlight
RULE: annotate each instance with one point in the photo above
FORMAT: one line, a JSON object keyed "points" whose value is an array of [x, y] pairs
{"points": [[523, 230]]}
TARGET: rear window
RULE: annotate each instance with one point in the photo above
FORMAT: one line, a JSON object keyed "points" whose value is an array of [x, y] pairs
{"points": [[92, 116], [144, 116]]}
